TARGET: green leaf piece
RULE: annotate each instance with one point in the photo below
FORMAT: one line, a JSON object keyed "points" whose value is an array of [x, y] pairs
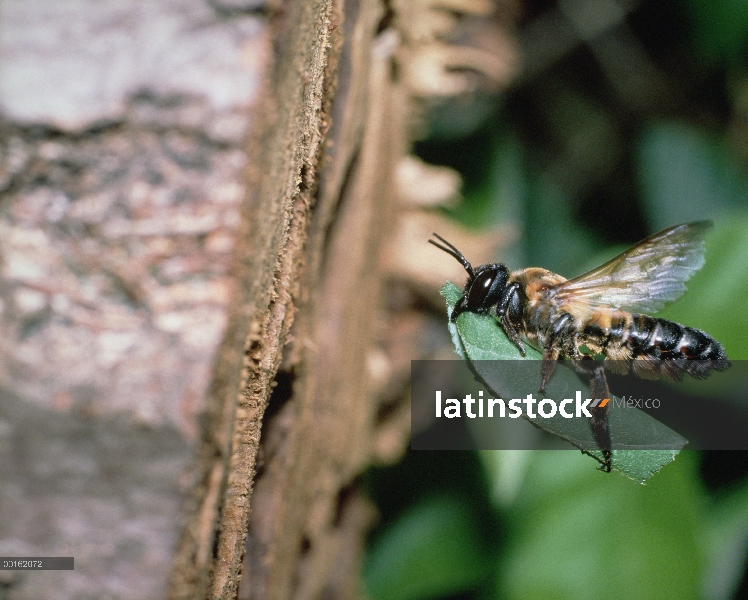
{"points": [[480, 338]]}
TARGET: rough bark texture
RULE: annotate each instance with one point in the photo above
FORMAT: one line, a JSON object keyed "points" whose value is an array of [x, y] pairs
{"points": [[273, 243], [322, 210], [308, 517]]}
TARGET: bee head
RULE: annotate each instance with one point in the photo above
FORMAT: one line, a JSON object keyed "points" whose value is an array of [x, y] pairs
{"points": [[484, 285]]}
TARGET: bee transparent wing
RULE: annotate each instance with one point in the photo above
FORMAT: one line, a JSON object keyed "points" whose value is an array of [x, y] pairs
{"points": [[643, 278]]}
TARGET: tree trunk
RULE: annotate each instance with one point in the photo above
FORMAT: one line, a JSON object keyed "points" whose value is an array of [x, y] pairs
{"points": [[316, 220], [335, 127]]}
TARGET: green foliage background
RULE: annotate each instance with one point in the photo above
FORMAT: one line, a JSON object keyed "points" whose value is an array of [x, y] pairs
{"points": [[515, 525]]}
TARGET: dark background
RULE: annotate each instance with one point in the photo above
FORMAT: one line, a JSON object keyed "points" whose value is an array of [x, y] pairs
{"points": [[624, 118]]}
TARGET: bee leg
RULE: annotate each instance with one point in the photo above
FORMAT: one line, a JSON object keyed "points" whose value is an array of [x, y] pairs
{"points": [[508, 296], [547, 367], [551, 352], [599, 420], [511, 333]]}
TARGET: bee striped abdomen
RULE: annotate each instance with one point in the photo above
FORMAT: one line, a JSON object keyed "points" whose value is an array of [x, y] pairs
{"points": [[661, 338], [658, 347], [675, 348]]}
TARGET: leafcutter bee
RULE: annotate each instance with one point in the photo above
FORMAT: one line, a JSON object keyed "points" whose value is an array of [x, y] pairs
{"points": [[601, 313]]}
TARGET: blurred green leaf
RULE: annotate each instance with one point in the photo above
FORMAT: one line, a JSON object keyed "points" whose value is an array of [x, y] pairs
{"points": [[726, 544], [720, 29], [507, 470], [496, 195], [687, 176], [578, 536], [549, 226], [479, 338], [433, 550]]}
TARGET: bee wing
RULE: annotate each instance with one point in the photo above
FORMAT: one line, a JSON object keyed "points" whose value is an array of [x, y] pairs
{"points": [[643, 278]]}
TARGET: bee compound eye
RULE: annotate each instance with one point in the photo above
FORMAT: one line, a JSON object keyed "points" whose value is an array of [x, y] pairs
{"points": [[479, 290]]}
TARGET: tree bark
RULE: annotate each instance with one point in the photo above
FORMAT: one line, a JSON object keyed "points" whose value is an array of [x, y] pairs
{"points": [[310, 242], [335, 125]]}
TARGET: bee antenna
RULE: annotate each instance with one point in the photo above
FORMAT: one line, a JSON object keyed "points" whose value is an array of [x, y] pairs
{"points": [[452, 251]]}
